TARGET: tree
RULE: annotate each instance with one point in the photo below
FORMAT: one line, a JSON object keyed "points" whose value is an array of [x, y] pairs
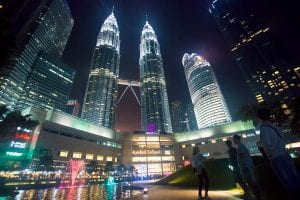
{"points": [[109, 166], [295, 112], [92, 166], [278, 116], [46, 160], [11, 120]]}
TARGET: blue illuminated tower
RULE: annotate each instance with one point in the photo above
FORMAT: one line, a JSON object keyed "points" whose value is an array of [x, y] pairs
{"points": [[154, 99], [101, 92]]}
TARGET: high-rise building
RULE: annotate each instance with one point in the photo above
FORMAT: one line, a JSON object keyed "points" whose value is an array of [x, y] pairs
{"points": [[248, 35], [73, 107], [155, 112], [180, 122], [192, 122], [101, 92], [209, 104], [44, 30], [48, 84]]}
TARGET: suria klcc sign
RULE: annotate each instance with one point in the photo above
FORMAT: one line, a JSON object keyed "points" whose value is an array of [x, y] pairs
{"points": [[151, 129]]}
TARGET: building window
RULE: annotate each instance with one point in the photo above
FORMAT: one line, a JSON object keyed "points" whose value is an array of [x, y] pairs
{"points": [[89, 156], [139, 159], [116, 159], [77, 155], [109, 158], [100, 157], [167, 152], [183, 146], [63, 153]]}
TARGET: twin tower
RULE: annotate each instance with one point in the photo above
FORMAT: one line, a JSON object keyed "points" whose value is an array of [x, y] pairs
{"points": [[102, 89]]}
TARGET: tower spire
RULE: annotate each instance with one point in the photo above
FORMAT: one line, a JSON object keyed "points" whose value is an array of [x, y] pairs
{"points": [[113, 9], [146, 19]]}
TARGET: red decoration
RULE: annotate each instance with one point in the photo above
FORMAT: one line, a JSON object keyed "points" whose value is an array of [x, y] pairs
{"points": [[24, 136]]}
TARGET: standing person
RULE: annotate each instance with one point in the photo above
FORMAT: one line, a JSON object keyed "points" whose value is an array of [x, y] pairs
{"points": [[281, 162], [236, 170], [246, 166], [200, 171]]}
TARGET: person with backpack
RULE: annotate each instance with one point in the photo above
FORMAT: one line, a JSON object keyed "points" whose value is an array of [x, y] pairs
{"points": [[274, 147], [199, 170]]}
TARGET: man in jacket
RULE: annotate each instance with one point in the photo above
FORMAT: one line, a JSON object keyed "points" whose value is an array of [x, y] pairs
{"points": [[281, 162]]}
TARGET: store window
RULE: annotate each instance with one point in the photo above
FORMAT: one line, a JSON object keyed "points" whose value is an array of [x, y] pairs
{"points": [[63, 153], [89, 156], [77, 155], [100, 157], [139, 159], [109, 158]]}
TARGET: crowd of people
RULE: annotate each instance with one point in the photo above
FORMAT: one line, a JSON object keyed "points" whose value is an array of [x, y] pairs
{"points": [[272, 146]]}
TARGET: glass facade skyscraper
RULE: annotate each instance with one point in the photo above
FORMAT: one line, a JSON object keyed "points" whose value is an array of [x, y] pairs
{"points": [[261, 61], [46, 30], [209, 104], [155, 111], [48, 84], [179, 116], [101, 92]]}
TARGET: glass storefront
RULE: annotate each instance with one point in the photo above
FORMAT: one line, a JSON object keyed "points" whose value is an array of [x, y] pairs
{"points": [[153, 155]]}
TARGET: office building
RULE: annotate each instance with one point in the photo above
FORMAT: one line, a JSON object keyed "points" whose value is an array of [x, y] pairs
{"points": [[69, 137], [48, 84], [179, 116], [261, 61], [192, 122], [209, 104], [45, 30], [101, 92], [155, 112], [73, 107]]}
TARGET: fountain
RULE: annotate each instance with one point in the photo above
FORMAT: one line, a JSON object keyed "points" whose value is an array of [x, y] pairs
{"points": [[74, 167]]}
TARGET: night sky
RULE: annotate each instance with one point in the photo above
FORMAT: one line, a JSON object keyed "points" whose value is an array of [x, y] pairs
{"points": [[181, 26]]}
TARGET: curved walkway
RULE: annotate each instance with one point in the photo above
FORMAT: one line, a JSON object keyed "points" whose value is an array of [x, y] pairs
{"points": [[157, 192]]}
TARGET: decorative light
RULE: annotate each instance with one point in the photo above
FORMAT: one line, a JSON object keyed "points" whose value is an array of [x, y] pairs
{"points": [[17, 154], [24, 136], [20, 145]]}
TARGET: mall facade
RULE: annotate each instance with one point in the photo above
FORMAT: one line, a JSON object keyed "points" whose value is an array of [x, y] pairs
{"points": [[153, 155]]}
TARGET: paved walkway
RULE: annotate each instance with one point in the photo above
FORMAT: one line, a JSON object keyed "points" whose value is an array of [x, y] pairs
{"points": [[158, 192]]}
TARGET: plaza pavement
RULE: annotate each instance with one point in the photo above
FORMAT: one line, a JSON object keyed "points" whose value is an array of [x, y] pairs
{"points": [[159, 192]]}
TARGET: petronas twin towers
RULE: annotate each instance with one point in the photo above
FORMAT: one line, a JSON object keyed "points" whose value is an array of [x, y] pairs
{"points": [[101, 93]]}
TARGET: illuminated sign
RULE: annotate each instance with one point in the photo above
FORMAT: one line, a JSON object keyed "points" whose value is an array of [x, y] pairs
{"points": [[24, 136], [151, 128], [17, 154], [20, 145]]}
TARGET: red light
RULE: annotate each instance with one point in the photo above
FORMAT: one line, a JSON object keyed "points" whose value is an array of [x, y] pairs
{"points": [[24, 136]]}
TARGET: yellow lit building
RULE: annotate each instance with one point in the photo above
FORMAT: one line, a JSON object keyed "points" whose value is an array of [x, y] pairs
{"points": [[152, 155]]}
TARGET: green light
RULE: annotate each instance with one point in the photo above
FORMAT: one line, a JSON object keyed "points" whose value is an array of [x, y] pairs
{"points": [[233, 127], [17, 154], [110, 181]]}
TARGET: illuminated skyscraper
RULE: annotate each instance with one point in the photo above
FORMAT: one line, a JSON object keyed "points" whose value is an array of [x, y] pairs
{"points": [[209, 104], [33, 27], [101, 92], [154, 99], [48, 84], [255, 50]]}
